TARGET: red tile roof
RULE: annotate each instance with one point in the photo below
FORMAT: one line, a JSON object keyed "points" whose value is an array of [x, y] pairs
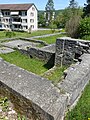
{"points": [[15, 6]]}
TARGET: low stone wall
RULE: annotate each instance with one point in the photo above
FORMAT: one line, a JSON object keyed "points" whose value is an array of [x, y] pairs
{"points": [[34, 40], [32, 95], [36, 97], [46, 54], [68, 49], [76, 78]]}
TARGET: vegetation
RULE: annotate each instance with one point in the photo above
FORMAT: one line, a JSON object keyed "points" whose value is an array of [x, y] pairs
{"points": [[4, 34], [51, 39], [49, 11], [72, 26], [34, 65], [86, 9], [55, 75], [84, 27], [82, 109], [52, 26]]}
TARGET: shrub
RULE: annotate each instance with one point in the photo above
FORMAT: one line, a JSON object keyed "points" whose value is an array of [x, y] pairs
{"points": [[84, 27], [52, 26], [72, 26]]}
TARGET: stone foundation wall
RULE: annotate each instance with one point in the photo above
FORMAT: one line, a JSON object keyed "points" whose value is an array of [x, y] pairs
{"points": [[68, 49], [33, 96], [46, 54]]}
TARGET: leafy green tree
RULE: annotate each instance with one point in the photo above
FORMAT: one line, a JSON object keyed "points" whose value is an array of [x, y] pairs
{"points": [[84, 27], [53, 26], [41, 19], [86, 9], [73, 6]]}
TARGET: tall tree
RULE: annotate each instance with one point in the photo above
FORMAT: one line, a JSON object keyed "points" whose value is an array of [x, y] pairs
{"points": [[49, 10], [49, 5], [73, 6], [86, 9]]}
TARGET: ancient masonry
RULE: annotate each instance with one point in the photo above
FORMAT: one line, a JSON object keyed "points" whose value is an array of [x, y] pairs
{"points": [[36, 97]]}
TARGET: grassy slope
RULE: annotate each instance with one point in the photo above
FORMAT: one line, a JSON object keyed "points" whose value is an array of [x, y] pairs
{"points": [[51, 39], [33, 65], [25, 34], [55, 75], [82, 109]]}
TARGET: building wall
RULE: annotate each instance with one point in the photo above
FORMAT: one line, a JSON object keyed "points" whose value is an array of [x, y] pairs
{"points": [[32, 15], [30, 24]]}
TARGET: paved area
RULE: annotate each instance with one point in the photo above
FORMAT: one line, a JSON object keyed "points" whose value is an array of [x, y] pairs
{"points": [[5, 50], [47, 35], [19, 44]]}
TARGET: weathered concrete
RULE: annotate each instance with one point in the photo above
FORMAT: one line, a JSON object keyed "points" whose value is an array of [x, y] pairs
{"points": [[77, 76], [5, 50], [19, 44], [36, 97]]}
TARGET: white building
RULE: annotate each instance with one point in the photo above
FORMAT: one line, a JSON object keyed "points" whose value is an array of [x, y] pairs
{"points": [[18, 17]]}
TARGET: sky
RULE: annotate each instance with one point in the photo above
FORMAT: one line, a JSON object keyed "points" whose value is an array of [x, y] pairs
{"points": [[40, 4]]}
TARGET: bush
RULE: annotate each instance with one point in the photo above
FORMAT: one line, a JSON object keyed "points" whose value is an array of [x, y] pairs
{"points": [[10, 34], [72, 26], [52, 26], [84, 27]]}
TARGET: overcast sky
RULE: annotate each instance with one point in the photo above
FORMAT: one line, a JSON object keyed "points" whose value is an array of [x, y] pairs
{"points": [[40, 4]]}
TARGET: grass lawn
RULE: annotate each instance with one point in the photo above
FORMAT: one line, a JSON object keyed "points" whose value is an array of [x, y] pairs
{"points": [[82, 109], [25, 34], [34, 65], [51, 39], [56, 74]]}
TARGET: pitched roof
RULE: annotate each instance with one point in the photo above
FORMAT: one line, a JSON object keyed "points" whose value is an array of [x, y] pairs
{"points": [[15, 6]]}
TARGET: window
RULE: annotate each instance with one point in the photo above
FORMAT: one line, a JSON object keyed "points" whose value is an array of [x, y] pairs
{"points": [[24, 20], [32, 26], [31, 20], [25, 27], [32, 14], [23, 13], [6, 13], [7, 20]]}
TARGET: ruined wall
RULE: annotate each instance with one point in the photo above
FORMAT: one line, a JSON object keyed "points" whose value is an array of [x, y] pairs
{"points": [[68, 49], [46, 54], [76, 78], [35, 97]]}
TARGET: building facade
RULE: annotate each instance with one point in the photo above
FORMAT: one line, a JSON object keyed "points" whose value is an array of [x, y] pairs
{"points": [[22, 17]]}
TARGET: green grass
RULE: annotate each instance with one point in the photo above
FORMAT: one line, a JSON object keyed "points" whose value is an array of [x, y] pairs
{"points": [[51, 39], [82, 109], [56, 74], [34, 65], [86, 37], [25, 34]]}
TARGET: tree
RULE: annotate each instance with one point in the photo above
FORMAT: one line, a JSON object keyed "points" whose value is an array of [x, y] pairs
{"points": [[73, 6], [72, 26], [49, 10], [86, 9]]}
